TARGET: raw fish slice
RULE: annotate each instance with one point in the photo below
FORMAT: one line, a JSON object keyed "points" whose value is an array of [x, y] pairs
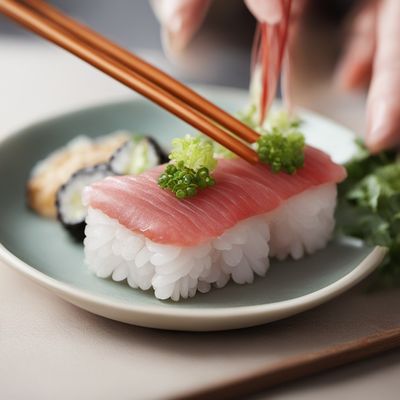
{"points": [[242, 191]]}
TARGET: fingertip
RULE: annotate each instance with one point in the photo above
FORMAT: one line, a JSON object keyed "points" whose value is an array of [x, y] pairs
{"points": [[382, 139], [383, 128], [374, 142], [265, 11], [179, 20], [173, 42]]}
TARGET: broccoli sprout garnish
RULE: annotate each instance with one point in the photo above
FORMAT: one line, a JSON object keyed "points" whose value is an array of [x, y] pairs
{"points": [[192, 161], [282, 152]]}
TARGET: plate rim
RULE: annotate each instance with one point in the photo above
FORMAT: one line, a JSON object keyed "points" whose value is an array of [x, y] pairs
{"points": [[70, 292], [363, 269]]}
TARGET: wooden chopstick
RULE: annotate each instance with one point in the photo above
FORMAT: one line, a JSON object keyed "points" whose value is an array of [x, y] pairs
{"points": [[301, 366], [39, 24], [145, 69]]}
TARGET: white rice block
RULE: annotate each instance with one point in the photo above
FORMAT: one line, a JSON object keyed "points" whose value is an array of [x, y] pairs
{"points": [[304, 224], [300, 226]]}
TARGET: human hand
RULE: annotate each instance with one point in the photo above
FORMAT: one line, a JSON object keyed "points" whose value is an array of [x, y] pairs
{"points": [[374, 53], [180, 19]]}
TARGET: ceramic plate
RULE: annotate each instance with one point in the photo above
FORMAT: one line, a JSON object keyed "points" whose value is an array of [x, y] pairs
{"points": [[41, 249]]}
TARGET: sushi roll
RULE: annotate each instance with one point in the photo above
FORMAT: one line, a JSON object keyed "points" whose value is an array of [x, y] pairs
{"points": [[137, 155], [49, 174], [70, 210], [147, 236]]}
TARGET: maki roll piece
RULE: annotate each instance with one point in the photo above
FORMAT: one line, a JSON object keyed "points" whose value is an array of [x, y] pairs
{"points": [[70, 210], [49, 174], [136, 156]]}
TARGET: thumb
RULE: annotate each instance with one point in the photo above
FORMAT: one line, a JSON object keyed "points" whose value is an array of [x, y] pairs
{"points": [[180, 20], [269, 11]]}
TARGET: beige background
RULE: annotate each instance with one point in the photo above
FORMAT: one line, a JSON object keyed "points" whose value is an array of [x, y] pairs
{"points": [[50, 349]]}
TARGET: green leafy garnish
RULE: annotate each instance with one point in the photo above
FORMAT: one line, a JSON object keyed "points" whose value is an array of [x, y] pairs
{"points": [[183, 181], [281, 144], [282, 152], [192, 161], [369, 207], [194, 152], [364, 163]]}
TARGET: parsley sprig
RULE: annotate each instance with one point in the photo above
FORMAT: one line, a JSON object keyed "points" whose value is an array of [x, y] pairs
{"points": [[369, 207]]}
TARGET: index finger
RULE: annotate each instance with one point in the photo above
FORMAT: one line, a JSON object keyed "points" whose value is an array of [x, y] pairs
{"points": [[383, 104]]}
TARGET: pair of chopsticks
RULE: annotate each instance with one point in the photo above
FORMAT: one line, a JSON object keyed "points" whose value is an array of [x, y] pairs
{"points": [[162, 89]]}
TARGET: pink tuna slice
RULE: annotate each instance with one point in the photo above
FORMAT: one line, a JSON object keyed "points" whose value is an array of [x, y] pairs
{"points": [[242, 191]]}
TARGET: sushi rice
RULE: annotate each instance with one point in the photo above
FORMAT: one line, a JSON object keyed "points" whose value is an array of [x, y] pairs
{"points": [[299, 226]]}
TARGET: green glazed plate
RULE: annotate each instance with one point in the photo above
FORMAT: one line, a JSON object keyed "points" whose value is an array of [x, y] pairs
{"points": [[41, 249]]}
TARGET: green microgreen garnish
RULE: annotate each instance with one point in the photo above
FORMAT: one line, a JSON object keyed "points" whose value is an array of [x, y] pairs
{"points": [[194, 151], [281, 144], [282, 152], [192, 161], [183, 181]]}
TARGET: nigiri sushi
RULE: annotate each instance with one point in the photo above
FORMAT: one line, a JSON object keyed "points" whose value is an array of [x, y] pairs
{"points": [[147, 236]]}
